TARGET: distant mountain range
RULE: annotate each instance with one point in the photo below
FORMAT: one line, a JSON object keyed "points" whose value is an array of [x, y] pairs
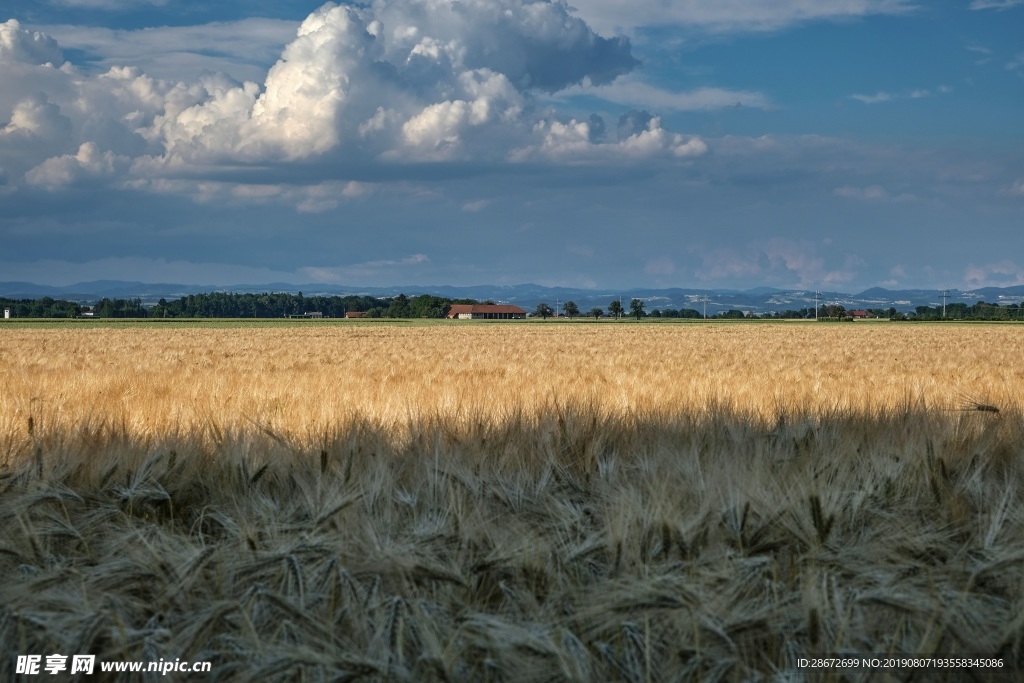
{"points": [[758, 300]]}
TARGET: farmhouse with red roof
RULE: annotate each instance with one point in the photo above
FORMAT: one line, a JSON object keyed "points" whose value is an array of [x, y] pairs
{"points": [[485, 312]]}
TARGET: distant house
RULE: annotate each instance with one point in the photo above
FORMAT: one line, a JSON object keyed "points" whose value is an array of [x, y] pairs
{"points": [[7, 314], [860, 315], [485, 312], [310, 314], [355, 314]]}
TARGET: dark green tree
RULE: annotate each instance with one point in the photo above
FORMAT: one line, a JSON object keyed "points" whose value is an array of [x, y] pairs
{"points": [[956, 310], [926, 313], [427, 306], [615, 308], [105, 308], [596, 313], [399, 307], [570, 309], [637, 307], [543, 311]]}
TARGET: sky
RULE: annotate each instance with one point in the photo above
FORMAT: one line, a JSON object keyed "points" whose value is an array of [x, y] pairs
{"points": [[829, 144]]}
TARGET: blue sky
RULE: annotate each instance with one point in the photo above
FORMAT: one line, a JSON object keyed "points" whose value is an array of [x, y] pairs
{"points": [[835, 144]]}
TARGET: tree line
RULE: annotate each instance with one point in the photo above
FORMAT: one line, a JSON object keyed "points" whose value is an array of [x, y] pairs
{"points": [[45, 307], [228, 305], [637, 309], [279, 305], [957, 311], [961, 311]]}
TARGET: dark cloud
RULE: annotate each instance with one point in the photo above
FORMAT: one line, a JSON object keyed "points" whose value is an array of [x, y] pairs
{"points": [[633, 122], [535, 45]]}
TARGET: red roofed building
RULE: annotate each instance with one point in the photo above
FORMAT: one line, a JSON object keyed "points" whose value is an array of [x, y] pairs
{"points": [[486, 312]]}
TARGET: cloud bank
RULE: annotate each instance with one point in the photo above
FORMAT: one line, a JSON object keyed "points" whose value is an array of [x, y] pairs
{"points": [[730, 16], [391, 84], [999, 5]]}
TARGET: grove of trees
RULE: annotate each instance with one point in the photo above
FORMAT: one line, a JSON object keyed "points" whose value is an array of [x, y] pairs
{"points": [[227, 305], [961, 311], [45, 307]]}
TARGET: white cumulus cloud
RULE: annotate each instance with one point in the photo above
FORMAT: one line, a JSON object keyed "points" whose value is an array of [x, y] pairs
{"points": [[387, 83], [36, 116], [87, 163], [18, 44], [406, 80], [537, 44], [437, 132], [579, 141]]}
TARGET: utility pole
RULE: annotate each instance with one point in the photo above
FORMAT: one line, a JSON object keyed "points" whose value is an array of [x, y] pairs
{"points": [[945, 293], [816, 295], [705, 306]]}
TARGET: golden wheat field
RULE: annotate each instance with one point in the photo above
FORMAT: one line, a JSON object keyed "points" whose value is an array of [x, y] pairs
{"points": [[514, 502], [299, 381]]}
